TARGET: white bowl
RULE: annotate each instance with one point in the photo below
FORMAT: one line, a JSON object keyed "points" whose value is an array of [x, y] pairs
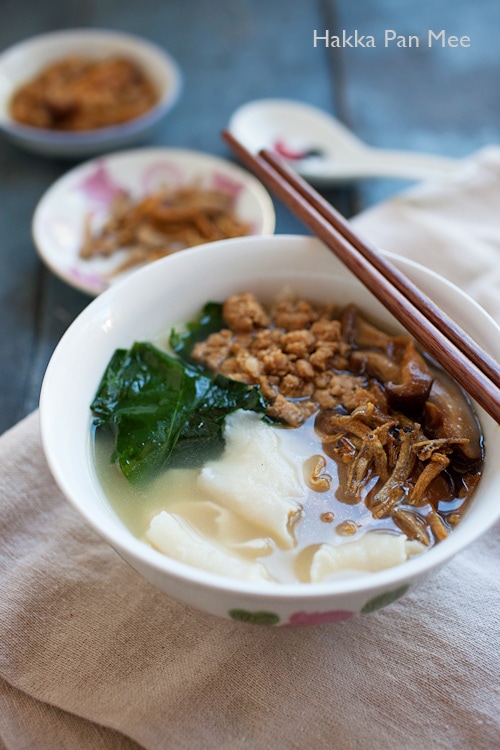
{"points": [[24, 60], [59, 218], [174, 289]]}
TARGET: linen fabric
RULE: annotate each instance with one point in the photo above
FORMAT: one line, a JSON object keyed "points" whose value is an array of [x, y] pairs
{"points": [[92, 656]]}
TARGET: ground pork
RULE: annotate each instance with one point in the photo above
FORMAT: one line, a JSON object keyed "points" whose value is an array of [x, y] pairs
{"points": [[295, 352]]}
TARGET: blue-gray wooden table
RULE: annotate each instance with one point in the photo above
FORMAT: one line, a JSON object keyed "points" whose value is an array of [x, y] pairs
{"points": [[436, 99]]}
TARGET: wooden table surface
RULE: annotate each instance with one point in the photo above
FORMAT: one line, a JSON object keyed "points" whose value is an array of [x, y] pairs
{"points": [[441, 100]]}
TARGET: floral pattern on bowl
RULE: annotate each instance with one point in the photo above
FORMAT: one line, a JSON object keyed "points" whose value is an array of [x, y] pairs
{"points": [[302, 618], [88, 190]]}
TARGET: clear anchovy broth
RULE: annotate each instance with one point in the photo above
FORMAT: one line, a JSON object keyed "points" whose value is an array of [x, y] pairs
{"points": [[289, 443]]}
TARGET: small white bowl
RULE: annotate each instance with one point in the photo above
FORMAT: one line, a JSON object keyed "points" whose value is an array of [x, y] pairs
{"points": [[24, 60], [174, 289], [59, 218]]}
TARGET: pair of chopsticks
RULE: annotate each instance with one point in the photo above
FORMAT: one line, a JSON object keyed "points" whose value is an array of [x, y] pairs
{"points": [[441, 337]]}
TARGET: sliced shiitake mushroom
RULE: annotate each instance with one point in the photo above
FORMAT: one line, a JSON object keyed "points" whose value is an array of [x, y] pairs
{"points": [[356, 330], [410, 392], [448, 414]]}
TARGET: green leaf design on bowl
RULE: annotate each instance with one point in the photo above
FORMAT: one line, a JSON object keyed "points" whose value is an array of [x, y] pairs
{"points": [[256, 618], [382, 600]]}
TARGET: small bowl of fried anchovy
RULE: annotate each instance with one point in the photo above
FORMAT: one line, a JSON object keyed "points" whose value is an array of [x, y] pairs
{"points": [[81, 92], [115, 213]]}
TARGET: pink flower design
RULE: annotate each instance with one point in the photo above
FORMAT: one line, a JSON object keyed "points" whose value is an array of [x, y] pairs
{"points": [[292, 154], [318, 618], [99, 187], [92, 280], [162, 173], [226, 185]]}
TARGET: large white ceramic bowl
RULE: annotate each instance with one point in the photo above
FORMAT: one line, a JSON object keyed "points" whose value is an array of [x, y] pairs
{"points": [[23, 61], [174, 289]]}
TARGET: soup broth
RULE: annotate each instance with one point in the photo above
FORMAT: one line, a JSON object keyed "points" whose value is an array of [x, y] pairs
{"points": [[367, 454]]}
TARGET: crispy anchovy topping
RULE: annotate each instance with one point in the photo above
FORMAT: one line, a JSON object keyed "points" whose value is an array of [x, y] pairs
{"points": [[425, 448], [349, 424], [412, 525], [357, 472], [437, 525], [393, 489], [436, 464], [371, 455], [378, 455]]}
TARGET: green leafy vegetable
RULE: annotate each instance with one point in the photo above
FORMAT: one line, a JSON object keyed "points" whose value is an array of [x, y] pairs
{"points": [[210, 321], [163, 411]]}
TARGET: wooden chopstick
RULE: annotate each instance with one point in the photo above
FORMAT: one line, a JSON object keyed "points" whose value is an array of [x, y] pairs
{"points": [[478, 374], [438, 317]]}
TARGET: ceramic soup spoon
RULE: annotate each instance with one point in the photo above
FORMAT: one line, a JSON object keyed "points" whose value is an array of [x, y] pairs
{"points": [[323, 150]]}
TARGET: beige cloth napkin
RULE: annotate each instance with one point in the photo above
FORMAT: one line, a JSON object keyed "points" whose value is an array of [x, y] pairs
{"points": [[92, 657]]}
